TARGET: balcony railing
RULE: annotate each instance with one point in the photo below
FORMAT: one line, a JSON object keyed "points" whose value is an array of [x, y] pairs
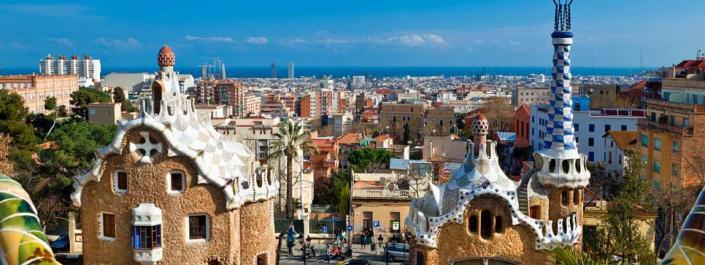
{"points": [[683, 83], [665, 127], [385, 194], [675, 106]]}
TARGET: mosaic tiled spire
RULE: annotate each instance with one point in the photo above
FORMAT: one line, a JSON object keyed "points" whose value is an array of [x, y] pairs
{"points": [[560, 133], [559, 163]]}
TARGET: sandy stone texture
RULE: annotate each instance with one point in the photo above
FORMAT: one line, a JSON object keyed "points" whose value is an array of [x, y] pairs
{"points": [[147, 184], [456, 243]]}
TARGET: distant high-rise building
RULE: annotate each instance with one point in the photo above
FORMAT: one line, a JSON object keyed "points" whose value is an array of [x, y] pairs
{"points": [[86, 68], [291, 70], [223, 74], [274, 70], [358, 81]]}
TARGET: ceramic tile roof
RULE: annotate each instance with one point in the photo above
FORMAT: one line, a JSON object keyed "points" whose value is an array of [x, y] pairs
{"points": [[350, 139]]}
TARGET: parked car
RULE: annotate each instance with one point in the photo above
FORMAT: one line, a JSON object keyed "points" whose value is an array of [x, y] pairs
{"points": [[396, 251], [357, 262], [61, 243]]}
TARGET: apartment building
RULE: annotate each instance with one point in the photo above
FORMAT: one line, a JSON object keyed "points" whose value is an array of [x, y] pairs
{"points": [[324, 162], [440, 121], [405, 122], [383, 199], [85, 68], [35, 89], [671, 137], [530, 96], [589, 125]]}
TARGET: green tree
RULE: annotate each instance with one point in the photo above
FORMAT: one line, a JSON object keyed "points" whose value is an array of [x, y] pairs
{"points": [[13, 114], [568, 256], [61, 111], [50, 103], [49, 183], [291, 140], [337, 193], [119, 97], [366, 159], [620, 235], [407, 134], [84, 96]]}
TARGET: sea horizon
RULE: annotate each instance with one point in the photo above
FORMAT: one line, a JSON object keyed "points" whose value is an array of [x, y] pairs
{"points": [[369, 71]]}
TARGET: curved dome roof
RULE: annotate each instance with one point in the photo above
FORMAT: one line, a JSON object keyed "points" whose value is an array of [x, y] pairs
{"points": [[166, 56]]}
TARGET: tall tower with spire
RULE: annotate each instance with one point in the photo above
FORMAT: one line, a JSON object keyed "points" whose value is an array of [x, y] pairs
{"points": [[560, 167]]}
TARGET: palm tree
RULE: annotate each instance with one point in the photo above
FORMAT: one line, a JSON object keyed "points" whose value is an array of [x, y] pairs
{"points": [[568, 256], [290, 141]]}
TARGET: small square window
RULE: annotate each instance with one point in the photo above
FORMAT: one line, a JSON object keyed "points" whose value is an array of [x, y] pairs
{"points": [[176, 182], [120, 182], [591, 127], [644, 140], [108, 226], [675, 171], [198, 227], [676, 146]]}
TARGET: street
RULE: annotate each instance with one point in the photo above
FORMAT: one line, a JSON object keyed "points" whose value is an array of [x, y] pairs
{"points": [[358, 253]]}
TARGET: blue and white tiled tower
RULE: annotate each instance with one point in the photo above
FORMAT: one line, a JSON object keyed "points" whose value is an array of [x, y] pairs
{"points": [[560, 163]]}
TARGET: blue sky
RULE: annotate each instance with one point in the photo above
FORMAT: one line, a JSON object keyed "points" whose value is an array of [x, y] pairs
{"points": [[349, 33]]}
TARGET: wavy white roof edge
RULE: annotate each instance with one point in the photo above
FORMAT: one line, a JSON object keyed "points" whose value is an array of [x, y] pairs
{"points": [[427, 229], [219, 161]]}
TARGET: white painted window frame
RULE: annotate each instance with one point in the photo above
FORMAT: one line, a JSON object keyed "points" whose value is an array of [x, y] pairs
{"points": [[100, 224], [187, 230], [168, 182], [115, 182]]}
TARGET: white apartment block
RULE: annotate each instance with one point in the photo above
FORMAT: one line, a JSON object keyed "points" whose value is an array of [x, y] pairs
{"points": [[590, 128], [86, 68]]}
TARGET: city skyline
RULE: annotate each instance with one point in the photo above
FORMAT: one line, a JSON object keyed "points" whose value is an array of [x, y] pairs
{"points": [[364, 33]]}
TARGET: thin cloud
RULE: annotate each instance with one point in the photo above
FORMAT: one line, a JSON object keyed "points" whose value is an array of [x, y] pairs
{"points": [[51, 10], [411, 40], [257, 40], [209, 39], [407, 40], [119, 43], [66, 42], [435, 40]]}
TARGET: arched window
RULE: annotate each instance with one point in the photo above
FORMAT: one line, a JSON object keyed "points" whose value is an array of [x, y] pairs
{"points": [[498, 226], [486, 224], [552, 165], [473, 224], [576, 196], [564, 198]]}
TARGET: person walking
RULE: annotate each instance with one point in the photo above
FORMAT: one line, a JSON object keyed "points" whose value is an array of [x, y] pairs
{"points": [[290, 240]]}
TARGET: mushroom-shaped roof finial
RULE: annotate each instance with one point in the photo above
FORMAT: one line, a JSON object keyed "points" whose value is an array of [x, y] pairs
{"points": [[166, 56]]}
